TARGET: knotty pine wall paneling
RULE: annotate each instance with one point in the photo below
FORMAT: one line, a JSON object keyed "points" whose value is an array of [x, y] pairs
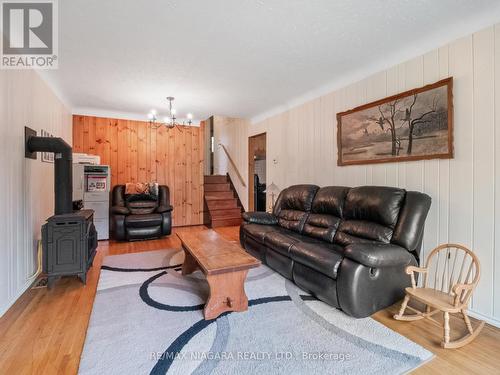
{"points": [[137, 153]]}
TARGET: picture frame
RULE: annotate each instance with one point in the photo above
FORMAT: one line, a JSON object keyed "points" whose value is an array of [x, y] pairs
{"points": [[413, 125], [46, 157]]}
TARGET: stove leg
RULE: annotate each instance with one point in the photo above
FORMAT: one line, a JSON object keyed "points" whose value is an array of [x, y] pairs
{"points": [[50, 282]]}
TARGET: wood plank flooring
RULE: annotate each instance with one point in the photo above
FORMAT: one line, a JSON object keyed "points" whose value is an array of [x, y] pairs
{"points": [[44, 332]]}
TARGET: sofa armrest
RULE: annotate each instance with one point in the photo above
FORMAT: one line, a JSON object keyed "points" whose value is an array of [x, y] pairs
{"points": [[264, 218], [164, 208], [120, 210], [378, 255]]}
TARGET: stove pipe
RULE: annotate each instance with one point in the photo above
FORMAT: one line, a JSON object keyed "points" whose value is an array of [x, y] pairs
{"points": [[63, 174]]}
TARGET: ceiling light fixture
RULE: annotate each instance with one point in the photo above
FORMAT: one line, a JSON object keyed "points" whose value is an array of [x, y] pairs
{"points": [[170, 121]]}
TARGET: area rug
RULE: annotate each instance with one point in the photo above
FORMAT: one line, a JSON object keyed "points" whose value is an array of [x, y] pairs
{"points": [[147, 319]]}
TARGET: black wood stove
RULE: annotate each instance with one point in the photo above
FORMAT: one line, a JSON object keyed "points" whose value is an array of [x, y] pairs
{"points": [[69, 238], [69, 245]]}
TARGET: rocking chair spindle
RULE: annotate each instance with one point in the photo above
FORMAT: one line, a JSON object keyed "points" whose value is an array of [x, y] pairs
{"points": [[450, 293]]}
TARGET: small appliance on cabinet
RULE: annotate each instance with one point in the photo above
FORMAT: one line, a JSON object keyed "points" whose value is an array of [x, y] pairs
{"points": [[91, 184]]}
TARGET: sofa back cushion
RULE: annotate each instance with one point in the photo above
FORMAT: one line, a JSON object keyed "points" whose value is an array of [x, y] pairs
{"points": [[293, 206], [326, 213], [370, 213]]}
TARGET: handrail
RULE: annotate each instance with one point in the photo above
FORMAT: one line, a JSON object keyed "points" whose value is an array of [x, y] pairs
{"points": [[233, 164]]}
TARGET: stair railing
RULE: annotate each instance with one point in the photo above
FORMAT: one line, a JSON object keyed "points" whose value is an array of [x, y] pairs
{"points": [[240, 177]]}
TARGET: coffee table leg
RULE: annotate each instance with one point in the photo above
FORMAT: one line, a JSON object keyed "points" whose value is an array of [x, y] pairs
{"points": [[227, 293], [189, 265]]}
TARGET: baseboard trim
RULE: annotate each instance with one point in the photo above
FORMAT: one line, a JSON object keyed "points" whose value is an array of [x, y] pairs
{"points": [[494, 322], [21, 291]]}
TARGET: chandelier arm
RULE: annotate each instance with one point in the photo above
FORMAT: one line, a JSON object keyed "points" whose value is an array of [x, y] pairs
{"points": [[171, 123]]}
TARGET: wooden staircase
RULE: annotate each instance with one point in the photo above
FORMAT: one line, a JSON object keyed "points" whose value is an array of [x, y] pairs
{"points": [[221, 199]]}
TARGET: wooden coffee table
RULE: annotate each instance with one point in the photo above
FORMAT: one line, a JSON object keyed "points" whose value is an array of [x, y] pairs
{"points": [[225, 265]]}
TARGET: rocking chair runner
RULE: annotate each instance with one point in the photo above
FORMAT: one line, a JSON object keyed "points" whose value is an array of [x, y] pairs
{"points": [[453, 270]]}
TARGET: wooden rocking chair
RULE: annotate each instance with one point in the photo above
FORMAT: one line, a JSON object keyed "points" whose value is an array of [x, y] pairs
{"points": [[445, 269]]}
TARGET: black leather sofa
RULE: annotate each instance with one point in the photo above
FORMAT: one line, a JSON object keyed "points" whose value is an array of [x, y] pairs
{"points": [[140, 217], [349, 247]]}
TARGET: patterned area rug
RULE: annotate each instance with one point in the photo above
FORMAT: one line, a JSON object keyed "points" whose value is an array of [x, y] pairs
{"points": [[147, 319]]}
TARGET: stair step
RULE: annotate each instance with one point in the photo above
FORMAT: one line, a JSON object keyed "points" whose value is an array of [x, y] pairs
{"points": [[226, 222], [217, 187], [213, 195], [220, 204], [230, 213], [215, 179]]}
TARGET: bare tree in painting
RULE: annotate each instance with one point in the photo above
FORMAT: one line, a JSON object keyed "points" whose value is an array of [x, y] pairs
{"points": [[390, 119], [412, 122]]}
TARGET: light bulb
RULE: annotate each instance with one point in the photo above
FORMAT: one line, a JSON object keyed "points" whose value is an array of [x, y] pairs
{"points": [[189, 116], [174, 111], [154, 112]]}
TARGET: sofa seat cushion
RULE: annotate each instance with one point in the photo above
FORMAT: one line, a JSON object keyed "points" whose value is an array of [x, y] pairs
{"points": [[320, 256], [143, 221], [345, 239], [281, 240], [258, 232]]}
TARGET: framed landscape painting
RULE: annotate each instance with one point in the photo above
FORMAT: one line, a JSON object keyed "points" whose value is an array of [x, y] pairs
{"points": [[413, 125]]}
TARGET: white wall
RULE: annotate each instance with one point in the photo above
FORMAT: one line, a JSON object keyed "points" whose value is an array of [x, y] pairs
{"points": [[232, 133], [465, 190], [26, 191]]}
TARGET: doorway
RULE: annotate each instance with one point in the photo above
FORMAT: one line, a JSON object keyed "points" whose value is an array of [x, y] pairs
{"points": [[257, 172]]}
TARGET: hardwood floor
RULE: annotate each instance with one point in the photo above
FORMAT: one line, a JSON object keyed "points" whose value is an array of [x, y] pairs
{"points": [[43, 333]]}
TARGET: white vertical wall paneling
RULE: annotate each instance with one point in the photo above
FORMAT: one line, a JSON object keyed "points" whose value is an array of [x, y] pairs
{"points": [[465, 190], [402, 182], [443, 197], [376, 89], [431, 167], [351, 101], [361, 173], [278, 149], [314, 141], [340, 105], [414, 78], [483, 164], [496, 179], [4, 287], [392, 88], [291, 162], [26, 196], [329, 105], [461, 168], [306, 126]]}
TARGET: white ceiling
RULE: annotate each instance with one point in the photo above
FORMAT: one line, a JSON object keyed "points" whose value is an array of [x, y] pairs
{"points": [[241, 58]]}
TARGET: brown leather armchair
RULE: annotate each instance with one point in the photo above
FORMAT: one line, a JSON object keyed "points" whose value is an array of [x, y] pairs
{"points": [[139, 216]]}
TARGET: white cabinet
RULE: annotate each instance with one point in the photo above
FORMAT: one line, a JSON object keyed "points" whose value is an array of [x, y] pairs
{"points": [[91, 184], [78, 182]]}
